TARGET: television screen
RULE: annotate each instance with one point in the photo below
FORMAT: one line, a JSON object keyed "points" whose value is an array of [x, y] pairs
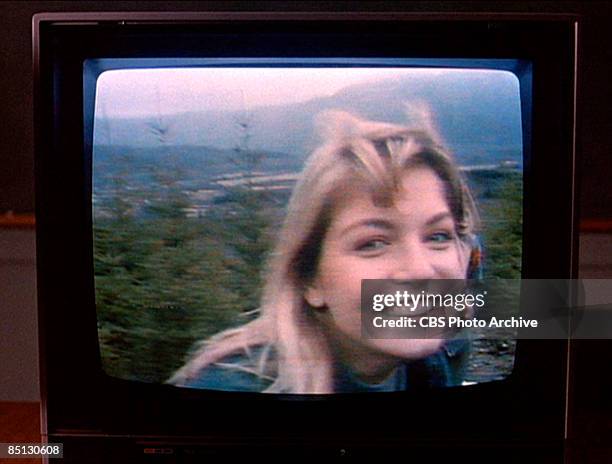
{"points": [[209, 179]]}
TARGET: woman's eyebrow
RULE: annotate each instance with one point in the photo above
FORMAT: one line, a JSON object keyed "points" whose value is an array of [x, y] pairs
{"points": [[370, 222], [438, 217]]}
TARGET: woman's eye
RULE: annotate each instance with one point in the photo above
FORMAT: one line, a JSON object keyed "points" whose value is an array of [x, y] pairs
{"points": [[440, 238], [372, 245]]}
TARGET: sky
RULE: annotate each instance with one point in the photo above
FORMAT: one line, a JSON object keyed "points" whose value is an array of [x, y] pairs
{"points": [[143, 92]]}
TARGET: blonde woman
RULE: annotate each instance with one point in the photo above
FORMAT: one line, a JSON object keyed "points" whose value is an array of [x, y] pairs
{"points": [[375, 201]]}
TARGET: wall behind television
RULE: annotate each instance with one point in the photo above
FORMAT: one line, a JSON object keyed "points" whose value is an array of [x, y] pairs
{"points": [[16, 146]]}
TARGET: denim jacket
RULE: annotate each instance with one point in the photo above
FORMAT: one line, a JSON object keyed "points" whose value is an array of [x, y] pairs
{"points": [[444, 368]]}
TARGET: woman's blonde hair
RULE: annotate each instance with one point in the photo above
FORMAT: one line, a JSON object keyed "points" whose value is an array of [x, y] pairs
{"points": [[286, 340]]}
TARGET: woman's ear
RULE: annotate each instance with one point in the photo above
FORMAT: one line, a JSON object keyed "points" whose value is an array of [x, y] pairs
{"points": [[314, 296]]}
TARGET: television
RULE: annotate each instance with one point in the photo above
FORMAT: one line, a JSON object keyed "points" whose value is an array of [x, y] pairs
{"points": [[168, 146]]}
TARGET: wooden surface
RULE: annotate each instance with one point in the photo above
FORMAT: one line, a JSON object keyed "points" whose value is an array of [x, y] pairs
{"points": [[602, 226], [20, 423], [17, 221]]}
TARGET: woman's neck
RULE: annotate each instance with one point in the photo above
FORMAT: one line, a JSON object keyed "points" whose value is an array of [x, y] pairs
{"points": [[368, 365]]}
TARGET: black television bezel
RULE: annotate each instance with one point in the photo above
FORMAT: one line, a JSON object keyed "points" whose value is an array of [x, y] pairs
{"points": [[80, 401]]}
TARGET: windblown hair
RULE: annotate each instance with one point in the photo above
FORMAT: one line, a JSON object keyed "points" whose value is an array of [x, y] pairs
{"points": [[286, 341]]}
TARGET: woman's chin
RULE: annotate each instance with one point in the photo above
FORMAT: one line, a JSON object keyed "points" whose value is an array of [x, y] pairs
{"points": [[409, 348]]}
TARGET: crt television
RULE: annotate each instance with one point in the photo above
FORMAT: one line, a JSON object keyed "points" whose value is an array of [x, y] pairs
{"points": [[167, 146]]}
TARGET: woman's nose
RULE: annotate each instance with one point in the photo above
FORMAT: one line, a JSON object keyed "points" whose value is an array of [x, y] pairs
{"points": [[412, 262]]}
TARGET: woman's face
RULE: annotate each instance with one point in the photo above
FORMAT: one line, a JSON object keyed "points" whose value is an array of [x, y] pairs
{"points": [[414, 238]]}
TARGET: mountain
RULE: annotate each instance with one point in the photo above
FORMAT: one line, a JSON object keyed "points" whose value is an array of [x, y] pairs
{"points": [[478, 117]]}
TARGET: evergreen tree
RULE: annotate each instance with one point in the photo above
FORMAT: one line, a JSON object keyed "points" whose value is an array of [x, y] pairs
{"points": [[246, 212], [504, 230], [160, 277]]}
